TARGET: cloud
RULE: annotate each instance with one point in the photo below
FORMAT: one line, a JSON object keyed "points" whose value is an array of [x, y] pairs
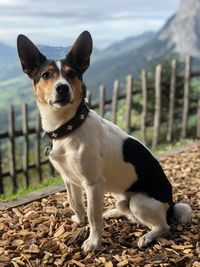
{"points": [[12, 2], [50, 22]]}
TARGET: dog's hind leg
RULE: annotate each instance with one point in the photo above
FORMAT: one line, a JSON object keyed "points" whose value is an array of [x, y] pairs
{"points": [[113, 213], [121, 209], [151, 213], [75, 199]]}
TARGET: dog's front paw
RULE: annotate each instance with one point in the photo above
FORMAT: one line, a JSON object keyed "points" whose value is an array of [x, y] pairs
{"points": [[79, 220], [91, 244]]}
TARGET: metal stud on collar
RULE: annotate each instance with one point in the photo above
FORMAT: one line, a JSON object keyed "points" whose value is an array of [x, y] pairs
{"points": [[73, 124]]}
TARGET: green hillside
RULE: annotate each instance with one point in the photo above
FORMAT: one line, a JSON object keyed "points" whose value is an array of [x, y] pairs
{"points": [[15, 91], [15, 87]]}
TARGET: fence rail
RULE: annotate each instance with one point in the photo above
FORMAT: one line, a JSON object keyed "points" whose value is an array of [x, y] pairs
{"points": [[9, 156]]}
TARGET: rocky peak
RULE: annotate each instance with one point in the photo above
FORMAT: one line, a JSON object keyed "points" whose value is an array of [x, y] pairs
{"points": [[187, 6], [182, 31]]}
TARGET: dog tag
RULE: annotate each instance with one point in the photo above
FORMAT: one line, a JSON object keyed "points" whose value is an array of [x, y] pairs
{"points": [[47, 150], [48, 145]]}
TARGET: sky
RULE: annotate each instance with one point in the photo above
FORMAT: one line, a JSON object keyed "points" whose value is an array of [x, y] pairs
{"points": [[58, 23]]}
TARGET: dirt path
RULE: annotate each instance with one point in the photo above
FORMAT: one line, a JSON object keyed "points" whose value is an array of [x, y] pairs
{"points": [[42, 234]]}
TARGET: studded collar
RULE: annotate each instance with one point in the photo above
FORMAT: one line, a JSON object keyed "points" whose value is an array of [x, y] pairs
{"points": [[68, 127]]}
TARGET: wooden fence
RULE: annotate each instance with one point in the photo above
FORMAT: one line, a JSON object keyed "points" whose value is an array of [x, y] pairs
{"points": [[9, 169]]}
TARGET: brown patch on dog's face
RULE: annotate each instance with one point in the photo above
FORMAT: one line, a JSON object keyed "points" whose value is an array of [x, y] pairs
{"points": [[44, 80], [57, 84]]}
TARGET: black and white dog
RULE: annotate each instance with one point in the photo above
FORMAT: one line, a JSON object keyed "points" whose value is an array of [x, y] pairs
{"points": [[94, 155]]}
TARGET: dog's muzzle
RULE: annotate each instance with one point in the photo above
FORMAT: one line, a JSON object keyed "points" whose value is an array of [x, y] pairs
{"points": [[62, 95]]}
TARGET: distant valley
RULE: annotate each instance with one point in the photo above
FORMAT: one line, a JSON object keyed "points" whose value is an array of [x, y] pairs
{"points": [[15, 86], [179, 37]]}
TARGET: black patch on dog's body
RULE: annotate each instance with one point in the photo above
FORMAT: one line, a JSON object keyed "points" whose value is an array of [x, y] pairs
{"points": [[151, 177]]}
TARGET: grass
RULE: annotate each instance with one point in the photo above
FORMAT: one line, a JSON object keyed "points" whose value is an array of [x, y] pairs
{"points": [[169, 146], [22, 191]]}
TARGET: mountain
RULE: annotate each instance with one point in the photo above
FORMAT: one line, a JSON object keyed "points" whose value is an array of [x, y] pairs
{"points": [[179, 37], [123, 46], [118, 60], [53, 52], [10, 67], [7, 54], [115, 62], [182, 31]]}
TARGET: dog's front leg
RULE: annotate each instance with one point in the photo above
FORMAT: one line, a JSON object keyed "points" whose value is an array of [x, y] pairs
{"points": [[74, 193], [94, 194]]}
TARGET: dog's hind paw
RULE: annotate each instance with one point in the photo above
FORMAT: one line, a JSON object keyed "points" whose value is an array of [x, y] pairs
{"points": [[78, 220], [113, 213], [145, 240]]}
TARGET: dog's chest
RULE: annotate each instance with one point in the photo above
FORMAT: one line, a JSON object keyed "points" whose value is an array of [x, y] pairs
{"points": [[65, 158], [92, 154]]}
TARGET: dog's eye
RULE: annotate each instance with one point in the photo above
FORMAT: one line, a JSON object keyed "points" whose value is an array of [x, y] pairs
{"points": [[71, 74], [47, 75]]}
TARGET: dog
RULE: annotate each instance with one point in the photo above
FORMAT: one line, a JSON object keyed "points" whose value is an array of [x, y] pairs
{"points": [[93, 154]]}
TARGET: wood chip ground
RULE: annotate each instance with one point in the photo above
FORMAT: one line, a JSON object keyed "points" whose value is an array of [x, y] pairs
{"points": [[42, 233]]}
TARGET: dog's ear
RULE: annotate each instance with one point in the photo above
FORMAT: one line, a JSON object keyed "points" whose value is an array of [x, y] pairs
{"points": [[30, 57], [79, 55]]}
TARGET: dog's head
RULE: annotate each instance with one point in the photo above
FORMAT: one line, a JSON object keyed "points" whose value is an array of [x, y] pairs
{"points": [[57, 83]]}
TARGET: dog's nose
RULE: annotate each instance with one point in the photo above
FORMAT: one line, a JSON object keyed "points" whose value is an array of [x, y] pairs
{"points": [[62, 89]]}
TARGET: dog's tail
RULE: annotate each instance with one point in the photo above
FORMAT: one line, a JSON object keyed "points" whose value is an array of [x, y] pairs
{"points": [[182, 213]]}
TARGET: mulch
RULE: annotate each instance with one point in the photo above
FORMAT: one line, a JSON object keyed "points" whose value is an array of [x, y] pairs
{"points": [[41, 233]]}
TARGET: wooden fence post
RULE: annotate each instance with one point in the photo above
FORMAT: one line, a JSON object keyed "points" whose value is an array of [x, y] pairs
{"points": [[198, 118], [186, 96], [38, 147], [129, 89], [89, 97], [1, 178], [101, 100], [144, 106], [26, 143], [157, 113], [115, 101], [11, 147], [171, 100]]}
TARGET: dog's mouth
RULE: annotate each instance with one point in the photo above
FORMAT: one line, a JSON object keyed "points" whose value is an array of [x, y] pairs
{"points": [[60, 102]]}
